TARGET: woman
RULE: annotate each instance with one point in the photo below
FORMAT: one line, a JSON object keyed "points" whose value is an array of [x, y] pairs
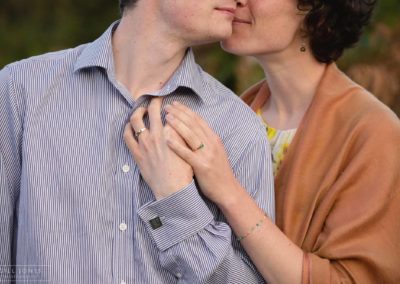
{"points": [[336, 149]]}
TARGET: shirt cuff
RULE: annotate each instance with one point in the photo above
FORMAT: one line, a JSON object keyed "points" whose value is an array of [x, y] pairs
{"points": [[173, 219]]}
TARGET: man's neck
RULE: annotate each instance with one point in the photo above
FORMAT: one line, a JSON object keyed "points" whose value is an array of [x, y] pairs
{"points": [[145, 55]]}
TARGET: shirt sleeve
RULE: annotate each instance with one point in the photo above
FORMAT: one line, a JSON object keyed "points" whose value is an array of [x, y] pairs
{"points": [[192, 244], [10, 164]]}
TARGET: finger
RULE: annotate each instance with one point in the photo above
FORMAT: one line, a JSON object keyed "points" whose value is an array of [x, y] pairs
{"points": [[188, 118], [182, 151], [136, 120], [155, 114], [171, 134], [188, 134], [130, 141], [191, 113]]}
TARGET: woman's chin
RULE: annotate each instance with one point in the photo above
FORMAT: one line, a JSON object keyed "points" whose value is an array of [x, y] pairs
{"points": [[233, 47]]}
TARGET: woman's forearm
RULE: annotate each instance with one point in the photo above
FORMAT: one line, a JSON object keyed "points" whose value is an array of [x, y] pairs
{"points": [[277, 258]]}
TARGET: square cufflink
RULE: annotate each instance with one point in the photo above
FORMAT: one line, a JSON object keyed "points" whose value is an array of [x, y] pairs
{"points": [[155, 223]]}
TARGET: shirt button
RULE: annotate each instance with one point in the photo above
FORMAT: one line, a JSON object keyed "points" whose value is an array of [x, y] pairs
{"points": [[123, 227], [126, 168], [123, 282], [178, 275]]}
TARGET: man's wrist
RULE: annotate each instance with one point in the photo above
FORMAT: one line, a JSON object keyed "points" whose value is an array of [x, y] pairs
{"points": [[165, 191], [177, 217]]}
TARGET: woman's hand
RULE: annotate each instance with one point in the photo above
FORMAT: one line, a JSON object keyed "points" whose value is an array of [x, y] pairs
{"points": [[276, 257], [206, 153], [163, 170]]}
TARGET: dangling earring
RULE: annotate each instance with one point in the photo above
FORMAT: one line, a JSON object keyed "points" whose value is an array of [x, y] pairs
{"points": [[303, 47]]}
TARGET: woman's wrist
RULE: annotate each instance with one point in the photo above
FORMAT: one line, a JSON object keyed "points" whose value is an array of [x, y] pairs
{"points": [[232, 199]]}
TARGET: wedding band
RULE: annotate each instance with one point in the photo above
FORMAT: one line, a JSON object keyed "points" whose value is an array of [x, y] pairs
{"points": [[137, 133], [200, 146]]}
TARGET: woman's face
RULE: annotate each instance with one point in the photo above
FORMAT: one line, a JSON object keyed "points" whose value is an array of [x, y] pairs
{"points": [[263, 27]]}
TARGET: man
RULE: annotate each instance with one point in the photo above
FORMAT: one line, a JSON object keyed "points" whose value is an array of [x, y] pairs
{"points": [[74, 207]]}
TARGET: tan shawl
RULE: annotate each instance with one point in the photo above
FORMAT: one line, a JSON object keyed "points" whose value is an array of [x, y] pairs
{"points": [[337, 191]]}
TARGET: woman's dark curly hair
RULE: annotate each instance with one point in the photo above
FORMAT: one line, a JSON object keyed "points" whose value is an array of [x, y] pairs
{"points": [[124, 4], [334, 25]]}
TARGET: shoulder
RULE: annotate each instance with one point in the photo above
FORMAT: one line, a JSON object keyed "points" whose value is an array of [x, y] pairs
{"points": [[231, 106], [34, 76], [249, 96], [359, 109], [232, 120], [361, 128], [376, 126], [346, 107], [48, 64]]}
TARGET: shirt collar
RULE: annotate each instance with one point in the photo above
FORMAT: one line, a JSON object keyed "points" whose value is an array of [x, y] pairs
{"points": [[188, 75], [99, 54]]}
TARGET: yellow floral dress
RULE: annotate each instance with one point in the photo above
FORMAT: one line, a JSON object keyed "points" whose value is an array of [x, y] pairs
{"points": [[279, 141]]}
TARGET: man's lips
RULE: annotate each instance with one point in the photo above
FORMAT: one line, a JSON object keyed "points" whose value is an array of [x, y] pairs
{"points": [[242, 21], [227, 10]]}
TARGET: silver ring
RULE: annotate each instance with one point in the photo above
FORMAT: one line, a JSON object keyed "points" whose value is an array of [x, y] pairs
{"points": [[137, 133], [201, 146]]}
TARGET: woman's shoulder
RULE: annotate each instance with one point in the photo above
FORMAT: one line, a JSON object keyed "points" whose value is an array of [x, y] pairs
{"points": [[362, 108], [354, 106], [252, 94]]}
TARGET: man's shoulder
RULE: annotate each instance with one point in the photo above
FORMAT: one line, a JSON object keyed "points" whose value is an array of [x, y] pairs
{"points": [[231, 119], [216, 88], [57, 61], [231, 105]]}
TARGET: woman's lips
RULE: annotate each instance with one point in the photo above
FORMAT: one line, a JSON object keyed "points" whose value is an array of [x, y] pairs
{"points": [[242, 21]]}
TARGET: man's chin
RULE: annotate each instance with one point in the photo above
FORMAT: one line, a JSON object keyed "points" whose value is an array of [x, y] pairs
{"points": [[212, 39]]}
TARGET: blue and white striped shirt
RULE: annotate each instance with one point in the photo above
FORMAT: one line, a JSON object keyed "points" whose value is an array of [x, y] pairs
{"points": [[73, 206]]}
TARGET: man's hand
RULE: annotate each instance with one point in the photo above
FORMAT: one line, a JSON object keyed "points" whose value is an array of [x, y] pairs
{"points": [[163, 170]]}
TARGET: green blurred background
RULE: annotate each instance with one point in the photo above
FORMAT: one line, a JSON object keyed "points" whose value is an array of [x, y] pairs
{"points": [[37, 26]]}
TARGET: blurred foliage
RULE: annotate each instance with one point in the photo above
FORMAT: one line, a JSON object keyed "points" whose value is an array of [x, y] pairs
{"points": [[37, 26], [374, 43]]}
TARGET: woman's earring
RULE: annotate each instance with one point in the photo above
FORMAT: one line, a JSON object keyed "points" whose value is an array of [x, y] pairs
{"points": [[303, 47]]}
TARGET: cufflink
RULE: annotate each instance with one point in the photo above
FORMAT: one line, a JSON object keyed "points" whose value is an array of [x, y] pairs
{"points": [[155, 223]]}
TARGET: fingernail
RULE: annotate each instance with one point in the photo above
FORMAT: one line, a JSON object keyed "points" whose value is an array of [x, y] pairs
{"points": [[167, 107], [169, 117], [175, 103]]}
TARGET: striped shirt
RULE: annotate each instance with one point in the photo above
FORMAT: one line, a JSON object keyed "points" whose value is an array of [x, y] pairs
{"points": [[73, 206]]}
